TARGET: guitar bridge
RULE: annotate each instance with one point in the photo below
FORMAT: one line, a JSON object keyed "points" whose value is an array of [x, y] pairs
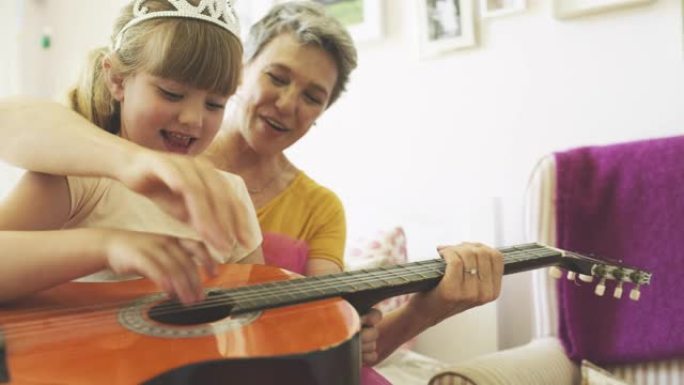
{"points": [[4, 371]]}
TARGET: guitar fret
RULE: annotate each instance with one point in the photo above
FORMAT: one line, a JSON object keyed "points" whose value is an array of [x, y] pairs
{"points": [[419, 275]]}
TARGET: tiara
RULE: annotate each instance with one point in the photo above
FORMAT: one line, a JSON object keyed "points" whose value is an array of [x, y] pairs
{"points": [[219, 12]]}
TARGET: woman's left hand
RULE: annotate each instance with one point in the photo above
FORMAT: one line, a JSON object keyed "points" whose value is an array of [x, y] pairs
{"points": [[472, 278], [369, 336]]}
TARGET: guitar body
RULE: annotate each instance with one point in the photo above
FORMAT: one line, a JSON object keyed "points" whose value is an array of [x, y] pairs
{"points": [[72, 334]]}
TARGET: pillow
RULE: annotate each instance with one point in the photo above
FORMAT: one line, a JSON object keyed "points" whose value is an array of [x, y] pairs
{"points": [[386, 248], [593, 375], [540, 362]]}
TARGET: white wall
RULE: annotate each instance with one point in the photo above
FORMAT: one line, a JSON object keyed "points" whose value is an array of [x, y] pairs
{"points": [[9, 33], [422, 143], [430, 144]]}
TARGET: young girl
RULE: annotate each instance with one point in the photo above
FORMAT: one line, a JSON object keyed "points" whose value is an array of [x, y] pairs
{"points": [[162, 85]]}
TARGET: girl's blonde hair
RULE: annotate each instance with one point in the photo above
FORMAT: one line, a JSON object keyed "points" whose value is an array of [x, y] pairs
{"points": [[189, 51]]}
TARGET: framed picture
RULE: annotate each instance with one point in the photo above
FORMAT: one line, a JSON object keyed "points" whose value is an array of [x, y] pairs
{"points": [[494, 8], [445, 25], [565, 9], [363, 18]]}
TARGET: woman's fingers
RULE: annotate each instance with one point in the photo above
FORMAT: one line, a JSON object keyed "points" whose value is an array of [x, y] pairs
{"points": [[472, 277], [369, 336]]}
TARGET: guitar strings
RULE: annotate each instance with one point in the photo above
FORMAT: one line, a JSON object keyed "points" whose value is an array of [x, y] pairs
{"points": [[258, 290], [104, 311], [270, 289]]}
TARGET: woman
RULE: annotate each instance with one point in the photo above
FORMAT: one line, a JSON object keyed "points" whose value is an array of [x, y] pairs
{"points": [[297, 64]]}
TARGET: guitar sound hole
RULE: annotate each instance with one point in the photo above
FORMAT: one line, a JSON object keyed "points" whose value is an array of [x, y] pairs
{"points": [[172, 312]]}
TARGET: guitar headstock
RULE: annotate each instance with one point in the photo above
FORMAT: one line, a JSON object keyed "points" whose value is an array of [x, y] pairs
{"points": [[590, 268]]}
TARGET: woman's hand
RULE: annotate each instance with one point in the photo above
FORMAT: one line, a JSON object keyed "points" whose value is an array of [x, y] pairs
{"points": [[369, 336], [170, 262], [472, 278], [194, 192]]}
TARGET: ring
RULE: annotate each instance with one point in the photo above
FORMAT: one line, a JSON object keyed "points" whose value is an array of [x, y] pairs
{"points": [[472, 271]]}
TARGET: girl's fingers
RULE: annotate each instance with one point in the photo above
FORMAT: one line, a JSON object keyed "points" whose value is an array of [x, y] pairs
{"points": [[183, 270], [198, 250]]}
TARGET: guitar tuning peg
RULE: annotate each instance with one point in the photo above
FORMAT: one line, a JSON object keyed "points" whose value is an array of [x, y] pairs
{"points": [[571, 275], [635, 293], [618, 291], [555, 272], [600, 289], [586, 278]]}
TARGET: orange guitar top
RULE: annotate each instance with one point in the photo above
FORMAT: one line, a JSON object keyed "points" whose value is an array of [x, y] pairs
{"points": [[80, 333]]}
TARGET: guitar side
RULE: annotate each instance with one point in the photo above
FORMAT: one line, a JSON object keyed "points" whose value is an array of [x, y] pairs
{"points": [[69, 335]]}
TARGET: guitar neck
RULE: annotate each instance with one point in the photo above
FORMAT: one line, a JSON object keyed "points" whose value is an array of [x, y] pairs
{"points": [[365, 288]]}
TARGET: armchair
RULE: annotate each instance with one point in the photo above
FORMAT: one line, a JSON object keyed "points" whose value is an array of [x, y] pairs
{"points": [[647, 171]]}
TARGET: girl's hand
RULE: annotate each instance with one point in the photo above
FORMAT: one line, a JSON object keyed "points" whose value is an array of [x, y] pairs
{"points": [[170, 262], [194, 192]]}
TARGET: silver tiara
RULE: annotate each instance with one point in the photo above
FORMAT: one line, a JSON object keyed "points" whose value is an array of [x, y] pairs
{"points": [[219, 12]]}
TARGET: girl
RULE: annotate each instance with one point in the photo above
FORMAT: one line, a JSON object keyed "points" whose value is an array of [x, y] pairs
{"points": [[163, 86]]}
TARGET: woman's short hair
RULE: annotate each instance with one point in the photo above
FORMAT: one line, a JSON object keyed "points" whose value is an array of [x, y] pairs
{"points": [[309, 24]]}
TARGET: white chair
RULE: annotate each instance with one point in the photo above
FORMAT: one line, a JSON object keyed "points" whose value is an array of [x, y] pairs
{"points": [[543, 362]]}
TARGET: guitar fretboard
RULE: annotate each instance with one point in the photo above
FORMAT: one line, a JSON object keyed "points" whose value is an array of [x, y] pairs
{"points": [[364, 288]]}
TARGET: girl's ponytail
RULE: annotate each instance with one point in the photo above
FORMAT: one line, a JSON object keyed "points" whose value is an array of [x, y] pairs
{"points": [[91, 98]]}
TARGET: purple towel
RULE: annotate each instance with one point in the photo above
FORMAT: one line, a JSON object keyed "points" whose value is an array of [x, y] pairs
{"points": [[625, 202]]}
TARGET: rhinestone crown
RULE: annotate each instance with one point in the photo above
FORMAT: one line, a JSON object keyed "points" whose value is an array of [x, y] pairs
{"points": [[219, 12]]}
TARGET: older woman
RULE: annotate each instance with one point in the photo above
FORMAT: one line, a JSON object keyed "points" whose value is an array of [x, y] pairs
{"points": [[297, 64]]}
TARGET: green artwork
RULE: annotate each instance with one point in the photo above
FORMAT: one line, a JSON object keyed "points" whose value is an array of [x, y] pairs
{"points": [[349, 12]]}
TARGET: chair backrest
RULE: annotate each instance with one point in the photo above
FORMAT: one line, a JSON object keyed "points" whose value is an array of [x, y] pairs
{"points": [[540, 223]]}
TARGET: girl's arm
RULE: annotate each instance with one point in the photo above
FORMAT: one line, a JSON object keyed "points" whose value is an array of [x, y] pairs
{"points": [[34, 260], [50, 138], [37, 260]]}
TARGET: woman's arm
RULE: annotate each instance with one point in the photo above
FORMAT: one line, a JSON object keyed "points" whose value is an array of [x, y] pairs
{"points": [[456, 292], [48, 137]]}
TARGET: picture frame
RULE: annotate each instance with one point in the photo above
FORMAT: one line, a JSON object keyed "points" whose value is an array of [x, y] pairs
{"points": [[496, 8], [445, 25], [566, 9], [363, 18]]}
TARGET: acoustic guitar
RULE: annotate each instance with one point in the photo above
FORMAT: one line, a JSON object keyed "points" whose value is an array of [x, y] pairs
{"points": [[259, 325]]}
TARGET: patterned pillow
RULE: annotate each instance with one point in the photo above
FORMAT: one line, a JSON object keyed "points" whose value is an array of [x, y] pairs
{"points": [[386, 248]]}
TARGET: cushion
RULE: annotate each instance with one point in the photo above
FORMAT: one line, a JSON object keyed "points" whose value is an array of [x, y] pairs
{"points": [[384, 248], [541, 362], [593, 375]]}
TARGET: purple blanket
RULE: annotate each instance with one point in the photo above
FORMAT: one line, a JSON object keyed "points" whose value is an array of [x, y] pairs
{"points": [[625, 202]]}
